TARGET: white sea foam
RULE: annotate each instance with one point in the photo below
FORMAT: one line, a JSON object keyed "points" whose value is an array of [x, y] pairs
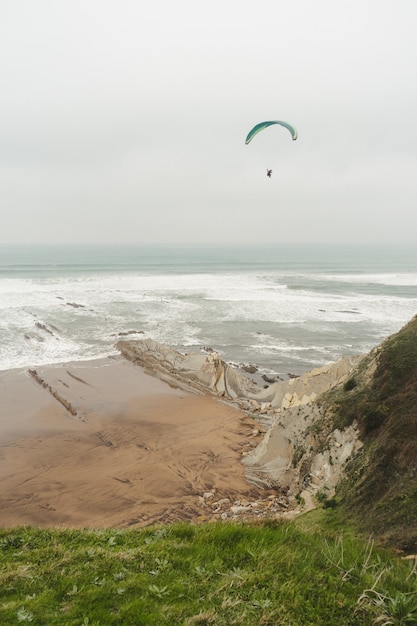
{"points": [[392, 279], [282, 319]]}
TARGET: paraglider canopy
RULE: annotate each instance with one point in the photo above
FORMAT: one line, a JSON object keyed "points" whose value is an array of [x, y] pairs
{"points": [[256, 129]]}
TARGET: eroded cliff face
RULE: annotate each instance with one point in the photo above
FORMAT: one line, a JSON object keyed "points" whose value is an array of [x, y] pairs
{"points": [[301, 453]]}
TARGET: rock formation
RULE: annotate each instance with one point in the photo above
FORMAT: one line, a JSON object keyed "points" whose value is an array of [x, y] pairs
{"points": [[292, 454]]}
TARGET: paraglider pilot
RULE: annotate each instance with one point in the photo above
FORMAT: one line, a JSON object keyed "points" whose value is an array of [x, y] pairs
{"points": [[268, 173]]}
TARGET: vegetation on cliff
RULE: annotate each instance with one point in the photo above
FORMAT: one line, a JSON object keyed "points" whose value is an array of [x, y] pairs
{"points": [[380, 487]]}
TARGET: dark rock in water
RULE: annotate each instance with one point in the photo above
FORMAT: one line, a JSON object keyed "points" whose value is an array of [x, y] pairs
{"points": [[75, 305], [293, 375], [43, 327], [270, 379], [207, 349], [249, 369], [125, 333], [352, 311]]}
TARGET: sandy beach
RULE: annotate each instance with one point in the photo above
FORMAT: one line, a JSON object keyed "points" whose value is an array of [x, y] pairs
{"points": [[102, 443]]}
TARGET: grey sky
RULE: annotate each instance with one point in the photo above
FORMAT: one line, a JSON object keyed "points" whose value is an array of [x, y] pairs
{"points": [[125, 121]]}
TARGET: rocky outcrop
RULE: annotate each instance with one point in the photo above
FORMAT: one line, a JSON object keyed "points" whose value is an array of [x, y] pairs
{"points": [[300, 452], [201, 371], [210, 372], [307, 387]]}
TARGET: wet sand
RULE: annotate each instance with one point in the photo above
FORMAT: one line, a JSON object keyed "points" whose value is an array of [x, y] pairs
{"points": [[103, 444]]}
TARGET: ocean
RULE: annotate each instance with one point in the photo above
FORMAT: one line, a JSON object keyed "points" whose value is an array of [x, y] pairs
{"points": [[285, 309]]}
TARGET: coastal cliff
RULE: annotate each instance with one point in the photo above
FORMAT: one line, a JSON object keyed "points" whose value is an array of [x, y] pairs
{"points": [[288, 409], [343, 434]]}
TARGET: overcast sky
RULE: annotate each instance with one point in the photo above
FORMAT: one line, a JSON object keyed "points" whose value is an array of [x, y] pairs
{"points": [[125, 121]]}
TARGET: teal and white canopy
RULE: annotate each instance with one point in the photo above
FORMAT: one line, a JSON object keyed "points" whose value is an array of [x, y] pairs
{"points": [[257, 129]]}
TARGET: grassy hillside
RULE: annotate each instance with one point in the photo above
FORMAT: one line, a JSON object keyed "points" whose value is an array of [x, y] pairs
{"points": [[380, 491], [221, 574]]}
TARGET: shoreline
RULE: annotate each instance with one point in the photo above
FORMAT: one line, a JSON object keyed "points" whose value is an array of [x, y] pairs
{"points": [[103, 443]]}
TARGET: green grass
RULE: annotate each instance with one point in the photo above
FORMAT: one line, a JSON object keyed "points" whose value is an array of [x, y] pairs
{"points": [[308, 572]]}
